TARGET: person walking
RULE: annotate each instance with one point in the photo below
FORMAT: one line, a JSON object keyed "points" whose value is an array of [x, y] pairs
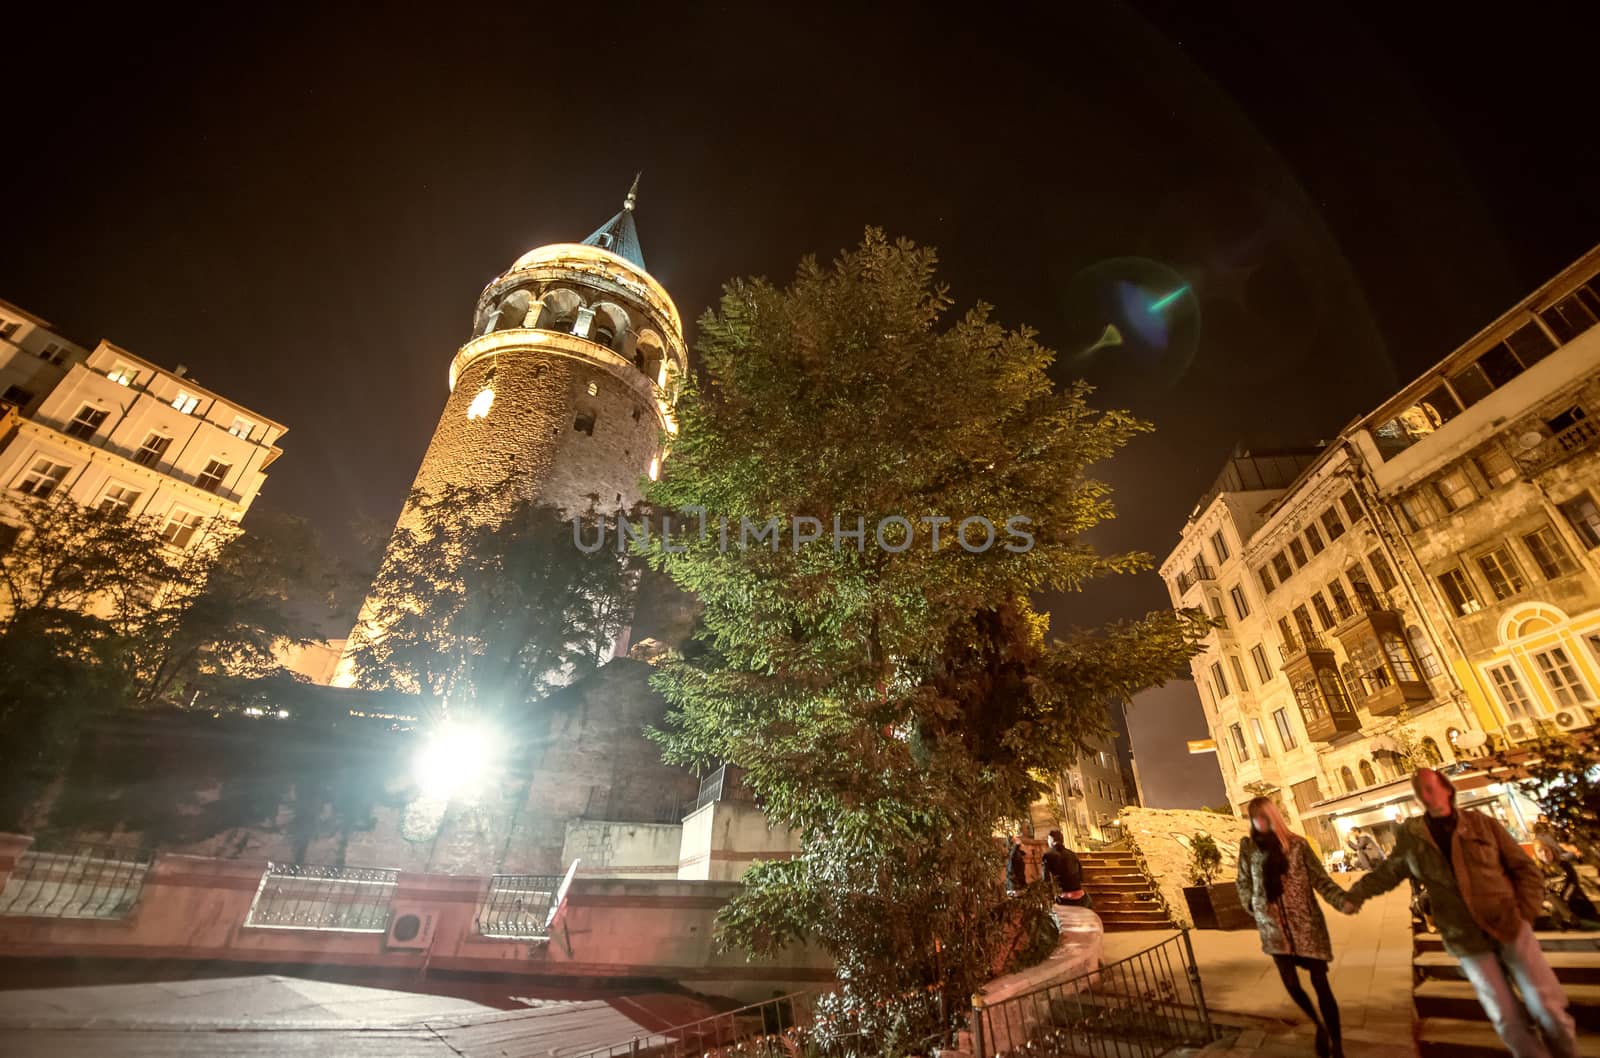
{"points": [[1484, 894], [1016, 867], [1278, 874], [1061, 866]]}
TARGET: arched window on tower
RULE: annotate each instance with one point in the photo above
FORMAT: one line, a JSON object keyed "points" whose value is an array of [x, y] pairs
{"points": [[560, 311], [584, 423]]}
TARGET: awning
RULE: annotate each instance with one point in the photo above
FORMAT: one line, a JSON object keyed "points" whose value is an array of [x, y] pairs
{"points": [[1390, 792], [1471, 739], [1384, 744]]}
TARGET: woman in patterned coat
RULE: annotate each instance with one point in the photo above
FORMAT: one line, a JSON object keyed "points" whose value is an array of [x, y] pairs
{"points": [[1278, 873]]}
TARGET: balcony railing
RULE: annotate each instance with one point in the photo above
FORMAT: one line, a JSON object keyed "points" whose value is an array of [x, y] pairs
{"points": [[1296, 646], [1194, 575], [1579, 437], [519, 906], [75, 880], [343, 899]]}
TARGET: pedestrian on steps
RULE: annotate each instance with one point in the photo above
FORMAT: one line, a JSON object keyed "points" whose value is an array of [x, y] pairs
{"points": [[1279, 873], [1485, 893], [1061, 866]]}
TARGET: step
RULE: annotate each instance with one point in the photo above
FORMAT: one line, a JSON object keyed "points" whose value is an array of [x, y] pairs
{"points": [[1453, 1038], [1456, 999], [1102, 885], [1549, 941], [1571, 967], [1140, 918]]}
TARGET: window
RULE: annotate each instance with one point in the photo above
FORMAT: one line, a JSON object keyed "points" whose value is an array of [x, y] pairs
{"points": [[1418, 511], [242, 427], [122, 374], [584, 423], [1241, 605], [1501, 571], [1324, 615], [1238, 672], [1314, 540], [1575, 313], [1354, 683], [1422, 650], [1287, 635], [9, 534], [1219, 679], [1459, 590], [8, 328], [1303, 620], [1280, 566], [1394, 648], [117, 499], [1280, 717], [54, 354], [594, 390], [1352, 507], [181, 527], [212, 476], [1348, 777], [17, 395], [185, 402], [1298, 552], [1430, 753], [1419, 420], [1585, 519], [1455, 489], [1509, 689], [1549, 553], [84, 424], [1241, 750], [1220, 546], [1264, 576], [1341, 601], [150, 453], [482, 401], [1368, 776], [1380, 568], [1496, 467], [1561, 677], [1332, 524], [1263, 668], [1214, 604], [42, 478], [1261, 738]]}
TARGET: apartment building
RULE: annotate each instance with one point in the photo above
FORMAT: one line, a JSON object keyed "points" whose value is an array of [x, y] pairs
{"points": [[1422, 590], [104, 427], [1090, 794]]}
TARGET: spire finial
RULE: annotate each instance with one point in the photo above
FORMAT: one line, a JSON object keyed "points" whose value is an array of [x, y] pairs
{"points": [[633, 192]]}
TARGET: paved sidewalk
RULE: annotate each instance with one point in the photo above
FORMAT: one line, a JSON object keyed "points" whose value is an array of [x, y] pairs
{"points": [[1370, 974]]}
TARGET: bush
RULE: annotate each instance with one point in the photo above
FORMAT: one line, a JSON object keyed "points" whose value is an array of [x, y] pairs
{"points": [[1205, 859]]}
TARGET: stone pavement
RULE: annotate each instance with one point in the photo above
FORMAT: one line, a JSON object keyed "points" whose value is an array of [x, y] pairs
{"points": [[1370, 974]]}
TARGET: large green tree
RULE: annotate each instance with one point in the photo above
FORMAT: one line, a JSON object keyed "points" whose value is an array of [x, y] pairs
{"points": [[890, 699]]}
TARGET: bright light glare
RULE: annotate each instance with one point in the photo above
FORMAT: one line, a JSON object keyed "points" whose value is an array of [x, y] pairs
{"points": [[479, 408], [454, 759]]}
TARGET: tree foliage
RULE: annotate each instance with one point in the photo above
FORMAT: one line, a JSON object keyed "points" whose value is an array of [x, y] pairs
{"points": [[1561, 773], [890, 703], [99, 612], [481, 608]]}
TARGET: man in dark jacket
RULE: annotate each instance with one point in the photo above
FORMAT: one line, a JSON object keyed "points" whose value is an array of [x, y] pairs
{"points": [[1484, 893], [1016, 867], [1061, 866]]}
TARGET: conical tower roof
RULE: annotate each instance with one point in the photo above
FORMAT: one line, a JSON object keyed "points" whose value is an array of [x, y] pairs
{"points": [[619, 234]]}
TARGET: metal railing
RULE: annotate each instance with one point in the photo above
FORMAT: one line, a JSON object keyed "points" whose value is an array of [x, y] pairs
{"points": [[1196, 573], [343, 899], [1141, 1007], [519, 906], [1580, 436], [775, 1028], [75, 880]]}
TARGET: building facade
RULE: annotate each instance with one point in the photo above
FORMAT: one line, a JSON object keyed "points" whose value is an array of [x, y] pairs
{"points": [[1086, 798], [1420, 590], [106, 428], [564, 392]]}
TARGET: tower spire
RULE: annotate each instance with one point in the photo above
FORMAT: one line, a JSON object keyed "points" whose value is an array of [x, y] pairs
{"points": [[619, 234], [633, 193]]}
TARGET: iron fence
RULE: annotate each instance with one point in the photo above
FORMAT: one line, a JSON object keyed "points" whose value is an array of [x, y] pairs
{"points": [[75, 880], [519, 906], [345, 899], [1144, 1006]]}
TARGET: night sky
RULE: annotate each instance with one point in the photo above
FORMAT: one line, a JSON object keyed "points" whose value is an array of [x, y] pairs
{"points": [[303, 208]]}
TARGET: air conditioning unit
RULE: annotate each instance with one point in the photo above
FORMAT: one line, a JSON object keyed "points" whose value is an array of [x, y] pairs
{"points": [[1520, 730], [1572, 719], [410, 928]]}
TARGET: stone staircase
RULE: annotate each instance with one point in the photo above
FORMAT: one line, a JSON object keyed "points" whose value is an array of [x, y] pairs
{"points": [[1451, 1024], [1123, 897]]}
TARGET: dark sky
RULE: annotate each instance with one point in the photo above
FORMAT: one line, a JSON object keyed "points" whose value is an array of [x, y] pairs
{"points": [[303, 207]]}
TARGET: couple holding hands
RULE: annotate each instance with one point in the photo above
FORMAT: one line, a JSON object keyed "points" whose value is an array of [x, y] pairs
{"points": [[1484, 890]]}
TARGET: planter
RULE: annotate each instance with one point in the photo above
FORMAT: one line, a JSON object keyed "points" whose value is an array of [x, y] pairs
{"points": [[1201, 912], [1229, 913]]}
